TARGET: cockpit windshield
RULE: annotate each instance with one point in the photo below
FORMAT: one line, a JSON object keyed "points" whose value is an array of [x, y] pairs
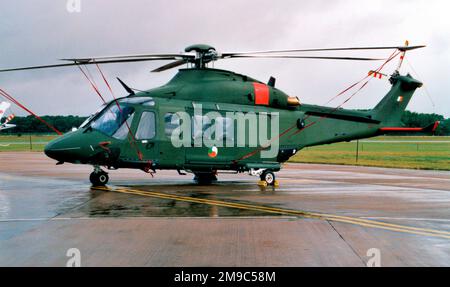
{"points": [[92, 116], [112, 118]]}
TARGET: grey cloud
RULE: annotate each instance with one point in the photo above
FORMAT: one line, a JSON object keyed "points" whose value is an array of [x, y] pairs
{"points": [[39, 32]]}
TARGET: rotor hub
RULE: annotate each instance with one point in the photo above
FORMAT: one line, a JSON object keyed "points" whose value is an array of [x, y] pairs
{"points": [[203, 54]]}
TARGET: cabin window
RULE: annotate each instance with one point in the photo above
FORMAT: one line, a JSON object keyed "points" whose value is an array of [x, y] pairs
{"points": [[199, 126], [226, 129], [171, 122], [229, 130], [112, 118], [223, 128], [123, 131], [147, 126]]}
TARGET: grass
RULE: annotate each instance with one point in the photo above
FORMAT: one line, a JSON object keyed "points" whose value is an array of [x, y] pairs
{"points": [[394, 151], [399, 152], [22, 143]]}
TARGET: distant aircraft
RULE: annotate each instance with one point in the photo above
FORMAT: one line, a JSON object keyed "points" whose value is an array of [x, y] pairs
{"points": [[3, 107]]}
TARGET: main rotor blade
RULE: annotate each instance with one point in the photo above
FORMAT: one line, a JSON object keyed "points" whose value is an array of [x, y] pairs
{"points": [[170, 65], [36, 67], [87, 62], [401, 48], [117, 57], [305, 57]]}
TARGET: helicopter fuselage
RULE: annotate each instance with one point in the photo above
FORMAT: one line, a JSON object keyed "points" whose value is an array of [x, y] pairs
{"points": [[206, 120]]}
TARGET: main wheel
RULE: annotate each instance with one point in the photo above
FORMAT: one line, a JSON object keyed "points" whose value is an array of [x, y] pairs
{"points": [[269, 177], [99, 178], [205, 178]]}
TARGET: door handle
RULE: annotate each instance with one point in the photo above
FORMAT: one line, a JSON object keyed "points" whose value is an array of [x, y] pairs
{"points": [[148, 145]]}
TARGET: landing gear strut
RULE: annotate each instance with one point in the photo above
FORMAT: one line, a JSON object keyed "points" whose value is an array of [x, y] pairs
{"points": [[99, 177]]}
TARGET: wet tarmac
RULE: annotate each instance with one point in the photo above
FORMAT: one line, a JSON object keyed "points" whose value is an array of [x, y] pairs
{"points": [[320, 215]]}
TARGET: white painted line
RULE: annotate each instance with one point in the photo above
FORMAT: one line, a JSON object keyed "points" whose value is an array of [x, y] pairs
{"points": [[404, 141]]}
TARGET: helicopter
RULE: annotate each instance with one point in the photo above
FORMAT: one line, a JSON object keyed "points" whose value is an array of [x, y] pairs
{"points": [[206, 120], [5, 125]]}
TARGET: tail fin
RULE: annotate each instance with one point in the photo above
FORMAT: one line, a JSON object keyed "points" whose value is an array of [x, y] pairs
{"points": [[9, 118], [390, 109], [3, 107]]}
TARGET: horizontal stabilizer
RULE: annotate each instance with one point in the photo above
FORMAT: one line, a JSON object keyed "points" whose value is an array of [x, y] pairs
{"points": [[6, 126], [428, 129]]}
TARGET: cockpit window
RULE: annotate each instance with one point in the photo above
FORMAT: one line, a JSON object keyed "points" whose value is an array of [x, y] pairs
{"points": [[145, 101], [124, 130], [112, 118]]}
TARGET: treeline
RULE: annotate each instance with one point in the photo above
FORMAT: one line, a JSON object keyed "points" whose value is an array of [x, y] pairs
{"points": [[30, 124], [412, 119]]}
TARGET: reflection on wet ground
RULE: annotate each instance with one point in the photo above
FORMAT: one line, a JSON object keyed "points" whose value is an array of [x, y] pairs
{"points": [[45, 209], [35, 197], [112, 204]]}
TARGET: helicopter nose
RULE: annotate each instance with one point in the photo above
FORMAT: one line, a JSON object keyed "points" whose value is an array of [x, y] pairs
{"points": [[62, 150], [55, 150], [48, 150]]}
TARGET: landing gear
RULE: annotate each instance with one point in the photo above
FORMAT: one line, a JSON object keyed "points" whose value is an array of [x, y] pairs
{"points": [[99, 177], [268, 177], [205, 178]]}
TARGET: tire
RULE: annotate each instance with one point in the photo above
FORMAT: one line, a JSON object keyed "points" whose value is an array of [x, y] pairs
{"points": [[205, 178], [99, 178], [269, 177]]}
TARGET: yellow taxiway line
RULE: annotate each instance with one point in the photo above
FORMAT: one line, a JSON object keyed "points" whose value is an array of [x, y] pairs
{"points": [[281, 211]]}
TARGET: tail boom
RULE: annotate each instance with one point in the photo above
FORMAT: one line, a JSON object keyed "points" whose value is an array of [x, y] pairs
{"points": [[337, 125]]}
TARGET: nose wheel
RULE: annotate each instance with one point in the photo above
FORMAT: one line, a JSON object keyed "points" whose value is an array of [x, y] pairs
{"points": [[99, 177]]}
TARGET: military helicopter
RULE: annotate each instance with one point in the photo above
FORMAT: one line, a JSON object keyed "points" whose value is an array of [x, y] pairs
{"points": [[138, 131], [5, 125]]}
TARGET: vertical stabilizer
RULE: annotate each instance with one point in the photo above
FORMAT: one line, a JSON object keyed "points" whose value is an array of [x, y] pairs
{"points": [[390, 109], [3, 107]]}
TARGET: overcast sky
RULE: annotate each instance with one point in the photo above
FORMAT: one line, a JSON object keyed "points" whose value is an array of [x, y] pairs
{"points": [[40, 32]]}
